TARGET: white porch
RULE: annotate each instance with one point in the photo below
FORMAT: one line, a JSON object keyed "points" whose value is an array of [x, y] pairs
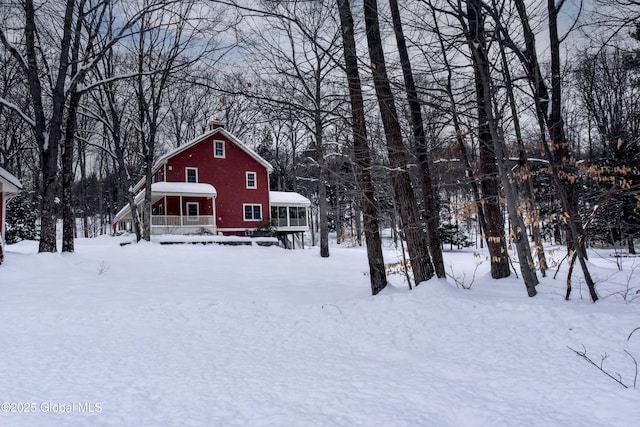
{"points": [[187, 221]]}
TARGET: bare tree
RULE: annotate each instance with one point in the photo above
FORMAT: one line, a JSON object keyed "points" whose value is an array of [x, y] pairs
{"points": [[46, 59], [111, 108], [299, 54], [417, 127], [489, 178], [165, 48], [362, 157], [416, 239]]}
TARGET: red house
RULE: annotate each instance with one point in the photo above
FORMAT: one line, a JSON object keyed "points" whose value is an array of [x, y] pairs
{"points": [[216, 184], [9, 184]]}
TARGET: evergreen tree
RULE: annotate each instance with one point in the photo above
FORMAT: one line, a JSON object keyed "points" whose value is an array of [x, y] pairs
{"points": [[21, 216]]}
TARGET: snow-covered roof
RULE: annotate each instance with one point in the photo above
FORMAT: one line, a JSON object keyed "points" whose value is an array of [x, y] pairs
{"points": [[288, 198], [183, 188], [159, 189], [8, 182]]}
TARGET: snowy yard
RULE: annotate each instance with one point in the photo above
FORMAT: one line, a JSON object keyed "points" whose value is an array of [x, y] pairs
{"points": [[194, 335]]}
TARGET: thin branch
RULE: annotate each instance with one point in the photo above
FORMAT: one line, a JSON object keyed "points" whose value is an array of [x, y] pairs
{"points": [[583, 354]]}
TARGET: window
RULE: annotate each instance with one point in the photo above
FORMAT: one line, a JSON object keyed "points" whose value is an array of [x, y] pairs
{"points": [[158, 176], [158, 209], [297, 216], [252, 180], [218, 148], [191, 174], [193, 209], [279, 216], [252, 212]]}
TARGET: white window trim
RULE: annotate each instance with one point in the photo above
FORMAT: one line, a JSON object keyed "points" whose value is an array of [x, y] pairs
{"points": [[224, 149], [197, 210], [244, 207], [255, 180], [186, 173]]}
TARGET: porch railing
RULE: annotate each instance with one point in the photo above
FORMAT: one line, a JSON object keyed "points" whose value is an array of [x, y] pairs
{"points": [[177, 220]]}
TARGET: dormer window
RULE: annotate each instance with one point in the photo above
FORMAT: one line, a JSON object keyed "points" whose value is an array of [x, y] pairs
{"points": [[218, 148], [191, 174], [158, 176], [252, 180]]}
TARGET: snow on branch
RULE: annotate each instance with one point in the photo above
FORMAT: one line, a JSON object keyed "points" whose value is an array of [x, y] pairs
{"points": [[18, 111]]}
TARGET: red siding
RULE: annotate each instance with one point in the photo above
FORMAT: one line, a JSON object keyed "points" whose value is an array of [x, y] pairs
{"points": [[228, 176], [173, 205]]}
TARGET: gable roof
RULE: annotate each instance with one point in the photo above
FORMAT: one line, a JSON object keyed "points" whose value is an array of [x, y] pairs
{"points": [[13, 184], [202, 137], [165, 157]]}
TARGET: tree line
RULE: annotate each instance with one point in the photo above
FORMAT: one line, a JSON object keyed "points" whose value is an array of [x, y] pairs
{"points": [[431, 117]]}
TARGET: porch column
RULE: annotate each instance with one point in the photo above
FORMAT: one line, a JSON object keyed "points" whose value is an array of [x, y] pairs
{"points": [[213, 212], [181, 219]]}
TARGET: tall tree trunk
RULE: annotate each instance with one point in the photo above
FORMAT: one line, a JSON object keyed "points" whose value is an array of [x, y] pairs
{"points": [[494, 232], [417, 243], [524, 171], [483, 78], [559, 144], [357, 211], [361, 153], [431, 206], [557, 151], [68, 217], [468, 170], [47, 133], [148, 182], [323, 204], [559, 155], [82, 158], [68, 173], [518, 230]]}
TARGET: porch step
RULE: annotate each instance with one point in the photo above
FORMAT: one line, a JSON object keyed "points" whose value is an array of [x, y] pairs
{"points": [[218, 240], [208, 240]]}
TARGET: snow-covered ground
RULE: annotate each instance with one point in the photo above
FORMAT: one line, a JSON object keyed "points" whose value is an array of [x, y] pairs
{"points": [[207, 335]]}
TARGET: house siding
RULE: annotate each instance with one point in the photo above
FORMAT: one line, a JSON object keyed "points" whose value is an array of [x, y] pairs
{"points": [[173, 205], [228, 176]]}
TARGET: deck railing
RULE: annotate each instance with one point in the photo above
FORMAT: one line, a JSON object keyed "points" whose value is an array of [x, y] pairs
{"points": [[296, 222], [292, 222]]}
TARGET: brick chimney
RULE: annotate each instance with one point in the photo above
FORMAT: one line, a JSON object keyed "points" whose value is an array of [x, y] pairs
{"points": [[215, 124]]}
